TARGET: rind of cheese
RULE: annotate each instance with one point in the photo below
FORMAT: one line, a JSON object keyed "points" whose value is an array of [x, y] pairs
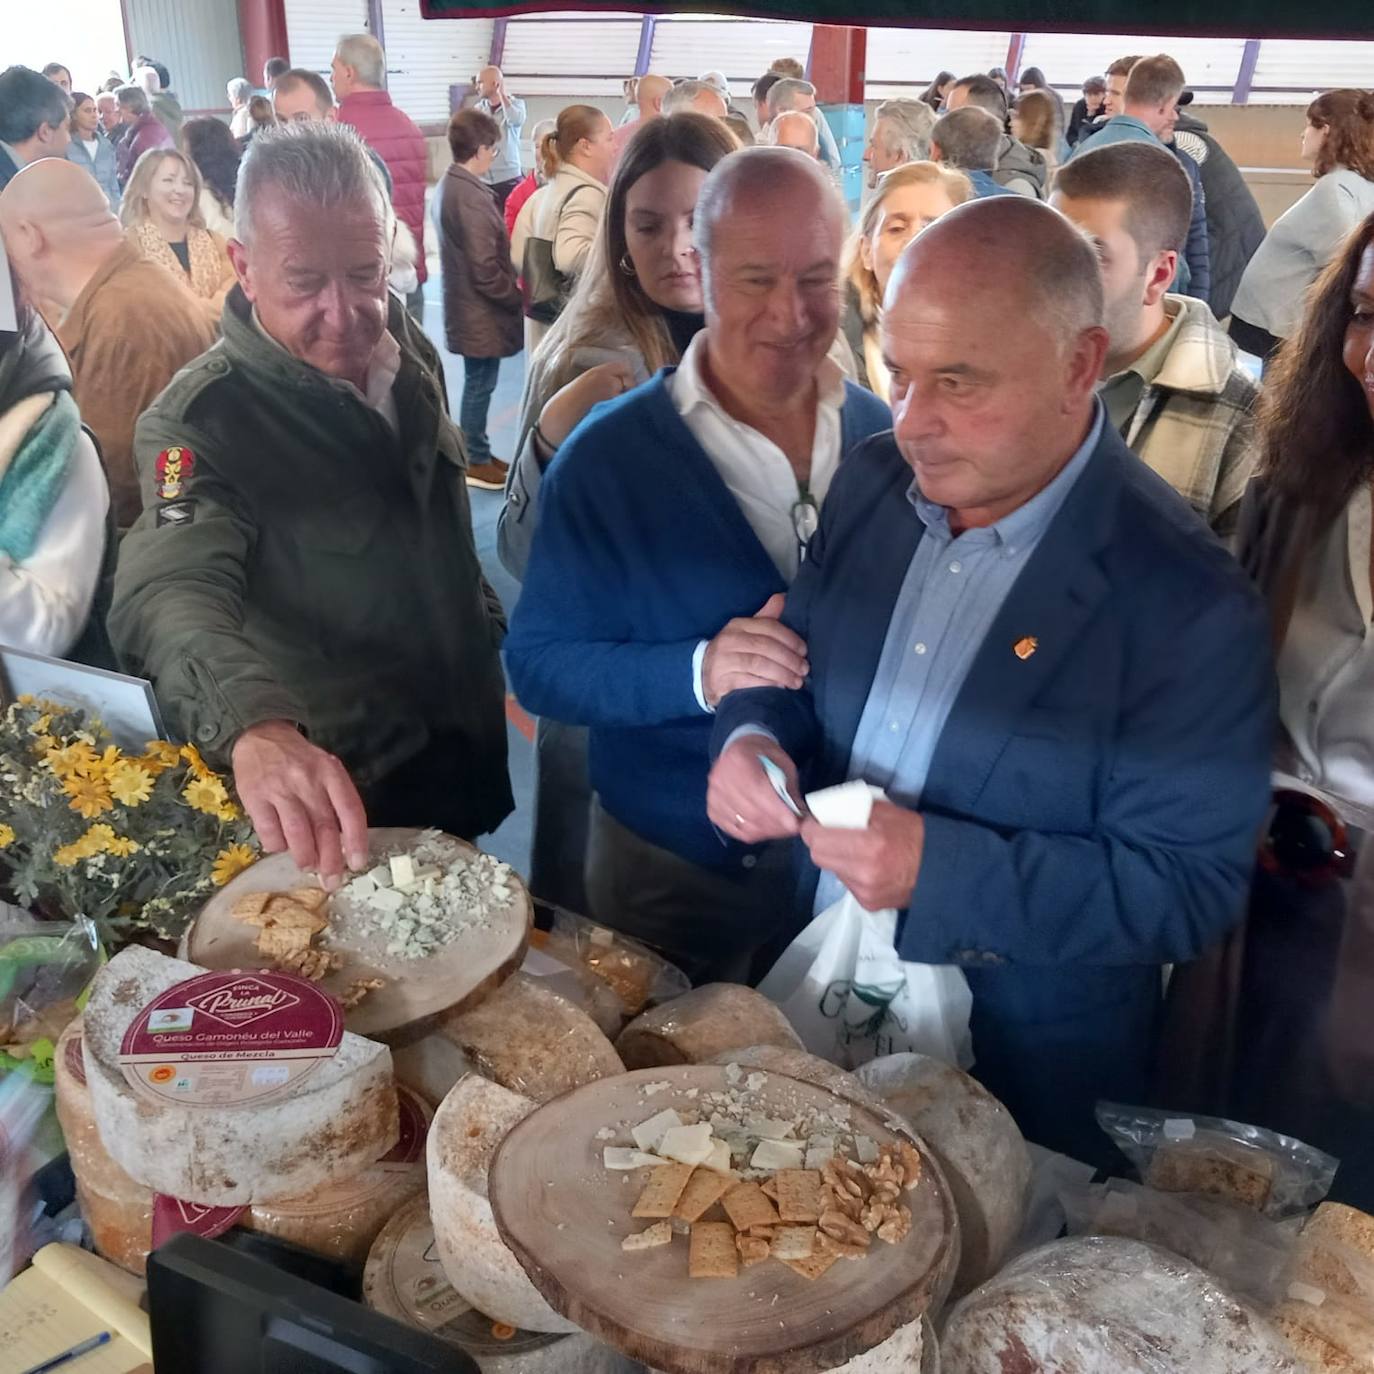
{"points": [[340, 1118], [648, 1135], [687, 1144], [532, 1041], [702, 1024], [903, 1352], [977, 1145], [470, 1123], [1106, 1303]]}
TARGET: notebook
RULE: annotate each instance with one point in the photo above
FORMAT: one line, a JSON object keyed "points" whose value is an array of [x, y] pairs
{"points": [[66, 1296]]}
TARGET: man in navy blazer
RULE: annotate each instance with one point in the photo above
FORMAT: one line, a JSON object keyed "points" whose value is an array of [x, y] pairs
{"points": [[1060, 678]]}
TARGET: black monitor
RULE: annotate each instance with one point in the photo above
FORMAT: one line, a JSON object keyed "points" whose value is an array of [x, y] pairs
{"points": [[246, 1308]]}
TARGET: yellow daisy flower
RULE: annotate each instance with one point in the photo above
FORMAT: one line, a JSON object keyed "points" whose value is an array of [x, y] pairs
{"points": [[71, 759], [45, 744], [68, 856], [96, 839], [101, 764], [130, 782], [26, 699], [6, 836], [206, 794], [121, 846], [90, 797], [197, 764], [228, 812], [40, 726], [161, 753], [229, 862]]}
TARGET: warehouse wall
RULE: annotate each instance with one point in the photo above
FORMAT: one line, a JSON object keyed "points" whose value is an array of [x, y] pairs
{"points": [[199, 42]]}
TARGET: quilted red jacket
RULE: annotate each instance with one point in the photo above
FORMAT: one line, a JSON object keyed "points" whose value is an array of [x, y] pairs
{"points": [[397, 140]]}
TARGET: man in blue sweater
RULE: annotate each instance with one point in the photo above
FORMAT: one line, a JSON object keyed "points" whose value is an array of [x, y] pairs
{"points": [[672, 520], [1149, 109], [1058, 676]]}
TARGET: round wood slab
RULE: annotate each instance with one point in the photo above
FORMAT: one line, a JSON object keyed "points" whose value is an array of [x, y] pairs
{"points": [[460, 974], [564, 1215]]}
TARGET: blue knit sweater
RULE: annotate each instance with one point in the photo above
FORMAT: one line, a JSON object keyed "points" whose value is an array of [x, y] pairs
{"points": [[642, 552]]}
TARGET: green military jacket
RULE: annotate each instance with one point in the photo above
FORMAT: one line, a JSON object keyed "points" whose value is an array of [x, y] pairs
{"points": [[298, 559]]}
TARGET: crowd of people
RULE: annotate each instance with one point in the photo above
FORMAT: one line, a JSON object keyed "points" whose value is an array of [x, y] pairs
{"points": [[958, 500]]}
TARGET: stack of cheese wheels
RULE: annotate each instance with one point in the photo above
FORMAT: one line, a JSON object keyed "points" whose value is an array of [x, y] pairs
{"points": [[703, 1024], [405, 1280], [1106, 1305], [341, 1219], [531, 1040], [429, 1066], [1328, 1315], [977, 1144], [470, 1123], [339, 1118]]}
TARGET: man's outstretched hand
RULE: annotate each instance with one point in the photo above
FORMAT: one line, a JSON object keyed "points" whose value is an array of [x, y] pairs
{"points": [[300, 798]]}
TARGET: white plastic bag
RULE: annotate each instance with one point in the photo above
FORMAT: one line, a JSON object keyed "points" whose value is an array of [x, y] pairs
{"points": [[843, 986]]}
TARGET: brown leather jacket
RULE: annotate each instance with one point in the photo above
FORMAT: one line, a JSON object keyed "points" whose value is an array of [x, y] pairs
{"points": [[482, 314]]}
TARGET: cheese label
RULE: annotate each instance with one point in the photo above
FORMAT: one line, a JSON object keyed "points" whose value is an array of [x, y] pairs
{"points": [[171, 1216], [228, 1038]]}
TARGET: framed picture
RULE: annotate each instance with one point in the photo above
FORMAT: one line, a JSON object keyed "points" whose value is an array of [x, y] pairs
{"points": [[125, 705]]}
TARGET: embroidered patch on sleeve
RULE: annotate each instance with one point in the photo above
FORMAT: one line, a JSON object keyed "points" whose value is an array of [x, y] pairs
{"points": [[174, 468], [176, 513]]}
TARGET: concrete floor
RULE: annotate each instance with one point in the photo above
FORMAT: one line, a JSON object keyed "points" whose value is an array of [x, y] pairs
{"points": [[512, 841]]}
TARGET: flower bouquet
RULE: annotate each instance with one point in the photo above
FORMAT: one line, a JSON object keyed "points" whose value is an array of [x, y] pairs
{"points": [[135, 842]]}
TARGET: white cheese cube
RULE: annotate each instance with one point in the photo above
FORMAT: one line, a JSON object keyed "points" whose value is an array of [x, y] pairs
{"points": [[386, 899], [648, 1134], [381, 875], [687, 1144], [866, 1149], [362, 886], [778, 1154], [618, 1157], [402, 869], [719, 1158], [767, 1128]]}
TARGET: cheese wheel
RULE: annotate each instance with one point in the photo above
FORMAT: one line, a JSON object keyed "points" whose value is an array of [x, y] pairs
{"points": [[429, 1066], [1105, 1305], [532, 1041], [341, 1219], [336, 1121], [405, 1280], [470, 1123], [900, 1353], [703, 1024], [1335, 1252], [1330, 1339], [978, 1145]]}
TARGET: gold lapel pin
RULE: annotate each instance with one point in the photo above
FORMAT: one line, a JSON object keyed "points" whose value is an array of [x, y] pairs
{"points": [[1024, 648]]}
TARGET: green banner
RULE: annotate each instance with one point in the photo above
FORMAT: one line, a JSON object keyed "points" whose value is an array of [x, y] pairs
{"points": [[1236, 18]]}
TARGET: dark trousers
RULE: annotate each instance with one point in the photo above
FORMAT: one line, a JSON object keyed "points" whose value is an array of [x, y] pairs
{"points": [[562, 801], [1253, 339], [502, 189], [713, 926], [479, 381]]}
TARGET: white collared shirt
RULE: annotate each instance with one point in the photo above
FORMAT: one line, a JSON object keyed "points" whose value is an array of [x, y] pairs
{"points": [[754, 469], [752, 466]]}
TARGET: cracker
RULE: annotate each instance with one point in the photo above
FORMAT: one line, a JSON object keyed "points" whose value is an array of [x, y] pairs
{"points": [[660, 1233], [813, 1267], [746, 1206], [713, 1254], [769, 1187], [311, 898], [704, 1189], [665, 1186], [283, 941], [752, 1250], [281, 911], [799, 1194], [251, 907], [794, 1243]]}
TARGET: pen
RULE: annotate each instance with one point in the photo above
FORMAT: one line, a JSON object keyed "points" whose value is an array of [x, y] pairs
{"points": [[74, 1353]]}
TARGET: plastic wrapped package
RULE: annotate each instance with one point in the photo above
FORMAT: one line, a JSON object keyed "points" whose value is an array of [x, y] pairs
{"points": [[978, 1145], [1179, 1153], [639, 977], [580, 986], [405, 1280], [1248, 1252], [1103, 1305], [703, 1024], [23, 1104], [1328, 1311], [532, 1041]]}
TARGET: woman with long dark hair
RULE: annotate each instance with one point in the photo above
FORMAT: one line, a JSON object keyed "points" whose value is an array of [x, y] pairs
{"points": [[938, 91], [216, 153]]}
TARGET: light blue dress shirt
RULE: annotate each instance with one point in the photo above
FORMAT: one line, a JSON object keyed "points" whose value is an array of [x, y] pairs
{"points": [[950, 596], [511, 118]]}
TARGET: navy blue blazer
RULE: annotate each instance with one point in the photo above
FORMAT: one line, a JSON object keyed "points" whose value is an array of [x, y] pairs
{"points": [[1092, 807]]}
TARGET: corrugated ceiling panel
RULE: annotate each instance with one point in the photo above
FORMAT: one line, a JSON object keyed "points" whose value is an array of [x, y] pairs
{"points": [[1303, 67], [741, 48], [1068, 59], [425, 57], [571, 56], [905, 61], [314, 27], [198, 42]]}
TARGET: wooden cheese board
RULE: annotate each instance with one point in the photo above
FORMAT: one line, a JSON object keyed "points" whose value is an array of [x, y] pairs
{"points": [[564, 1215], [415, 991]]}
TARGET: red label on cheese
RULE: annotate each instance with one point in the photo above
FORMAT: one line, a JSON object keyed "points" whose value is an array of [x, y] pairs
{"points": [[75, 1060], [414, 1116], [222, 1039], [171, 1216]]}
